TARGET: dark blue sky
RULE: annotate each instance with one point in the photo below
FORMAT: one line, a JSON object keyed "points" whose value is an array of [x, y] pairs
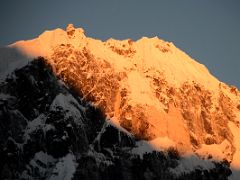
{"points": [[208, 30]]}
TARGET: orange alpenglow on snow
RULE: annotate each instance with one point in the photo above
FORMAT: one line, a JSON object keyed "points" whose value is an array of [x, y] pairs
{"points": [[149, 88]]}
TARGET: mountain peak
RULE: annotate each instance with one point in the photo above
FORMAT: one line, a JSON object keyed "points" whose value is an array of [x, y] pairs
{"points": [[149, 87]]}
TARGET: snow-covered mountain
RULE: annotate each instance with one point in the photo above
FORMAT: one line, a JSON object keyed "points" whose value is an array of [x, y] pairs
{"points": [[152, 93]]}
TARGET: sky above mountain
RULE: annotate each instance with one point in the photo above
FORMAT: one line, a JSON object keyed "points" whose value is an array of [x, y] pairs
{"points": [[209, 31]]}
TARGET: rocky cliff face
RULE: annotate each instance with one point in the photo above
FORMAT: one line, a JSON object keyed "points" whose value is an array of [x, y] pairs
{"points": [[148, 89], [48, 131]]}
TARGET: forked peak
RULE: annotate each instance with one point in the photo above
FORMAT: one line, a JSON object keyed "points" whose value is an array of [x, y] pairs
{"points": [[71, 30], [70, 27]]}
